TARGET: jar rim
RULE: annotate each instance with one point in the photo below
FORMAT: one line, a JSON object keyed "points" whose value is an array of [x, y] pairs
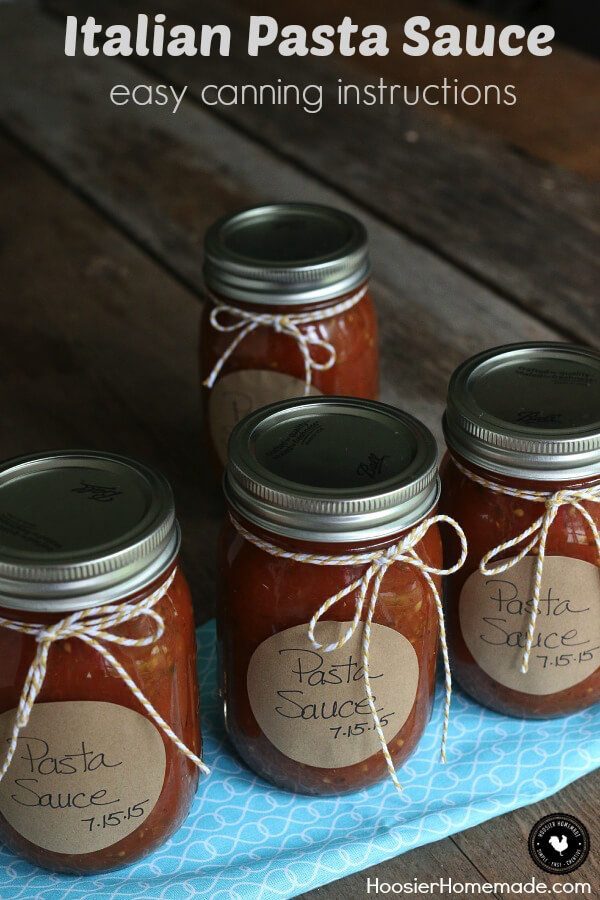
{"points": [[528, 410], [287, 254], [82, 528], [331, 469]]}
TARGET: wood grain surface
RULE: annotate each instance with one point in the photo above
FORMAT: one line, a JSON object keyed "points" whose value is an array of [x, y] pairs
{"points": [[494, 852], [98, 350], [164, 178], [550, 131], [525, 228]]}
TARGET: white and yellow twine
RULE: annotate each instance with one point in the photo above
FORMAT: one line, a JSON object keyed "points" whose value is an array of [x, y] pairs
{"points": [[93, 627], [378, 562], [246, 321], [538, 534]]}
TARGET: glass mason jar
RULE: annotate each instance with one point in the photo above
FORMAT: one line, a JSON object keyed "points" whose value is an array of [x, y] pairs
{"points": [[288, 313], [326, 477], [94, 783], [523, 427]]}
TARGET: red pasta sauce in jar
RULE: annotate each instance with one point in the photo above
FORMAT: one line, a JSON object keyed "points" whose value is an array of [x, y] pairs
{"points": [[288, 314], [522, 477], [88, 562], [310, 480]]}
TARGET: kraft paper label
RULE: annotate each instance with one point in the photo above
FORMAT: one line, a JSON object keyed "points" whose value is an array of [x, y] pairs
{"points": [[239, 393], [312, 705], [84, 775], [494, 613]]}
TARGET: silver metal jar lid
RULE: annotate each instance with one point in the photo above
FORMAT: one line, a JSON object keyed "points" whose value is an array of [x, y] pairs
{"points": [[332, 469], [528, 410], [286, 253], [79, 529]]}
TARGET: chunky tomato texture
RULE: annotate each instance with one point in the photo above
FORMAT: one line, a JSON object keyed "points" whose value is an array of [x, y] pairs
{"points": [[166, 673], [353, 334], [489, 519], [261, 595]]}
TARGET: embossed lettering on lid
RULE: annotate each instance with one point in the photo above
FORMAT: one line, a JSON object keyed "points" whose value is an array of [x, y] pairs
{"points": [[79, 528], [530, 410], [334, 468]]}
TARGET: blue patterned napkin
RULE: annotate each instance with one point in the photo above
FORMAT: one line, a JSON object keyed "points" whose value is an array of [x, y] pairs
{"points": [[244, 839]]}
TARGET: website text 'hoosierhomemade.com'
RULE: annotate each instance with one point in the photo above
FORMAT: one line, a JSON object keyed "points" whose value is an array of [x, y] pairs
{"points": [[451, 888]]}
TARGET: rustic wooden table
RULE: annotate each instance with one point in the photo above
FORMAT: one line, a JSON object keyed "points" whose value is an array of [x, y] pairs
{"points": [[483, 225]]}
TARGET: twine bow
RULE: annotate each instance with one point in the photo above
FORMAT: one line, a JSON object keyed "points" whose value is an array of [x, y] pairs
{"points": [[369, 583], [246, 321], [93, 627], [538, 534]]}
